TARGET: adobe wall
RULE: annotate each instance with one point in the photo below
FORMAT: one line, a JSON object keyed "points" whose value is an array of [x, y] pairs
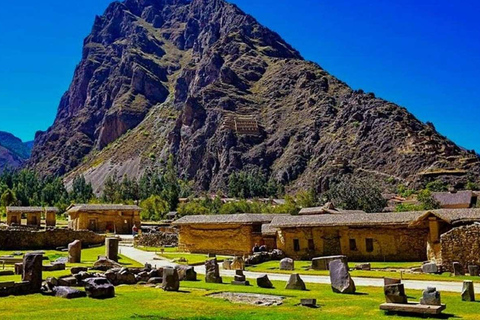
{"points": [[461, 244], [220, 239], [389, 244], [46, 239]]}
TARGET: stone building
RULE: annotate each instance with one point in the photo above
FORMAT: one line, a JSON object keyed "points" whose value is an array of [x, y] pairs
{"points": [[33, 215], [232, 234], [360, 236], [449, 229], [102, 218]]}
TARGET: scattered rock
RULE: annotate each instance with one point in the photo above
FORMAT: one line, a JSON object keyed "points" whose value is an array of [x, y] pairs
{"points": [[75, 251], [395, 293], [430, 267], [311, 303], [264, 282], [105, 264], [99, 288], [32, 271], [322, 263], [431, 297], [68, 293], [295, 283], [287, 264], [212, 272], [458, 269], [473, 270], [340, 278], [170, 280], [363, 266], [468, 291], [75, 270], [263, 300]]}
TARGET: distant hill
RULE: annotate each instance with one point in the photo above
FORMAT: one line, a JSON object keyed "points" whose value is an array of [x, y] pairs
{"points": [[13, 151], [204, 81]]}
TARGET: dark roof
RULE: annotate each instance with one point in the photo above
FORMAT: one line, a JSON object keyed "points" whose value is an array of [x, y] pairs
{"points": [[31, 209], [103, 207], [243, 218], [326, 210], [453, 198], [451, 216], [360, 219]]}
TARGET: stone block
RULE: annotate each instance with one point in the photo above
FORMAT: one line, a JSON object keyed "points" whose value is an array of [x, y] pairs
{"points": [[363, 267], [170, 281], [295, 283], [111, 248], [186, 273], [68, 293], [32, 271], [75, 270], [308, 302], [473, 270], [340, 278], [18, 268], [468, 291], [458, 269], [430, 267], [264, 282], [99, 288], [395, 293], [388, 281], [212, 273], [431, 297], [237, 264], [75, 251], [287, 264], [227, 264], [322, 263]]}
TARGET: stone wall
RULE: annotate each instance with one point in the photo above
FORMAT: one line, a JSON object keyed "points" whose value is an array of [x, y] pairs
{"points": [[158, 239], [229, 239], [461, 244], [389, 243], [46, 239]]}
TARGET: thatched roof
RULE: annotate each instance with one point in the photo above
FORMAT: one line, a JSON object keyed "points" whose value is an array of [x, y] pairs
{"points": [[31, 209], [451, 216], [243, 218], [463, 198], [102, 207], [327, 210], [268, 230], [337, 220]]}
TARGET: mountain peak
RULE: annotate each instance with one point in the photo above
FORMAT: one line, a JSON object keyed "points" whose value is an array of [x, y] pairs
{"points": [[207, 83]]}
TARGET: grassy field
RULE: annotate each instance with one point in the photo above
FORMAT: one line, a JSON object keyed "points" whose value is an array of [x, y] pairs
{"points": [[89, 256], [138, 302], [174, 254], [301, 267]]}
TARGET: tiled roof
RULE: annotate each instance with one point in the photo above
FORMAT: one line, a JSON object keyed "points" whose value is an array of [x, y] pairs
{"points": [[243, 218], [103, 207], [359, 219], [268, 230], [453, 198]]}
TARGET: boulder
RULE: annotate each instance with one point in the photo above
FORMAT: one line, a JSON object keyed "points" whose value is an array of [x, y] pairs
{"points": [[458, 269], [75, 270], [99, 288], [32, 271], [264, 282], [105, 264], [155, 280], [68, 292], [287, 264], [468, 291], [473, 270], [430, 267], [340, 278], [395, 293], [431, 297], [67, 281], [54, 267], [212, 273], [322, 263], [311, 303], [126, 277], [186, 273], [170, 281], [75, 251], [295, 283]]}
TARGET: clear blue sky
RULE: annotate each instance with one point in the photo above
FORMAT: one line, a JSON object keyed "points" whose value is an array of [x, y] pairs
{"points": [[423, 55]]}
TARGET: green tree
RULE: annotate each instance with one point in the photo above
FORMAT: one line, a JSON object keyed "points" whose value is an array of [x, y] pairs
{"points": [[154, 208], [8, 198], [82, 192]]}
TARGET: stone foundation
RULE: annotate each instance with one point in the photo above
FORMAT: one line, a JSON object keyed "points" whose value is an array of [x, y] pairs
{"points": [[46, 239]]}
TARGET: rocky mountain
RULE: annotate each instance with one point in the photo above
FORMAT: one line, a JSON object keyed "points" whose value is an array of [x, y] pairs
{"points": [[13, 152], [207, 83]]}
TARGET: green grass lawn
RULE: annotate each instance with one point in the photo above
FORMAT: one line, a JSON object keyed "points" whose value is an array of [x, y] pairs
{"points": [[138, 302], [302, 267], [173, 254], [89, 256]]}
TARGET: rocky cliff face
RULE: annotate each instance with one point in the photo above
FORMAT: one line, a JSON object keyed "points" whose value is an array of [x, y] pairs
{"points": [[13, 152], [207, 83]]}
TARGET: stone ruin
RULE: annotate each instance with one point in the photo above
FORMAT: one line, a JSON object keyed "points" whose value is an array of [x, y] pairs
{"points": [[212, 273], [468, 291], [261, 257], [31, 277], [240, 279], [75, 252]]}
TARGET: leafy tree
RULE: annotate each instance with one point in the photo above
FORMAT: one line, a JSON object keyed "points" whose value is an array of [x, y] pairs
{"points": [[356, 194], [154, 208], [8, 198], [426, 199], [82, 192]]}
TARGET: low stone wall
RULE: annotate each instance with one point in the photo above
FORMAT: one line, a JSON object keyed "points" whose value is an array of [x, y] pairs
{"points": [[158, 239], [461, 244], [46, 239]]}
